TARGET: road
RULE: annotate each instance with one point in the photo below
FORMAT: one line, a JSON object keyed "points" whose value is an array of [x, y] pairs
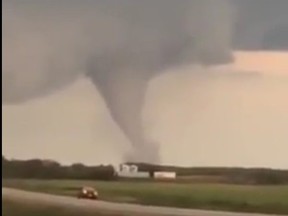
{"points": [[107, 207]]}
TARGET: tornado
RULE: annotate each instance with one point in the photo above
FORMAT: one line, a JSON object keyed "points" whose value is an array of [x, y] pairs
{"points": [[120, 45]]}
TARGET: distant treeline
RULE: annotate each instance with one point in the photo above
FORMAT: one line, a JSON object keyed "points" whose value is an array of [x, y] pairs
{"points": [[43, 169], [233, 175]]}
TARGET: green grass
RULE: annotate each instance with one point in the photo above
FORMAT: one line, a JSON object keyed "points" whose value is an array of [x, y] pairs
{"points": [[261, 199]]}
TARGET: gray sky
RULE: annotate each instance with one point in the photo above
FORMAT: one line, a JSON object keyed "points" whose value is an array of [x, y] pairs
{"points": [[230, 117], [228, 120]]}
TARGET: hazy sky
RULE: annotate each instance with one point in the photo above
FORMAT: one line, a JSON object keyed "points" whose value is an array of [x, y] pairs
{"points": [[230, 119]]}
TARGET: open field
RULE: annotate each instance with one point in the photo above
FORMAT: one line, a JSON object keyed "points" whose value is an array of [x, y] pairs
{"points": [[102, 207], [262, 199]]}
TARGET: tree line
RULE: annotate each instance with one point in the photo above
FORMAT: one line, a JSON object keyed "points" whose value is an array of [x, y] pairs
{"points": [[234, 175], [43, 169]]}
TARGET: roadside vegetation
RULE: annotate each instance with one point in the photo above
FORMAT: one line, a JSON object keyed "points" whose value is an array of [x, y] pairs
{"points": [[239, 198]]}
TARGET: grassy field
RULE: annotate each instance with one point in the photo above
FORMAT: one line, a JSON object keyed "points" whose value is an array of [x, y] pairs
{"points": [[13, 208], [262, 199]]}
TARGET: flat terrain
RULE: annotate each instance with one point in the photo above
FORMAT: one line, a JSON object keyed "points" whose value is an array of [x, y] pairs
{"points": [[32, 203], [12, 207], [238, 198]]}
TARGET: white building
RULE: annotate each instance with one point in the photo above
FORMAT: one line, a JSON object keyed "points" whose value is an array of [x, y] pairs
{"points": [[131, 171], [164, 175]]}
